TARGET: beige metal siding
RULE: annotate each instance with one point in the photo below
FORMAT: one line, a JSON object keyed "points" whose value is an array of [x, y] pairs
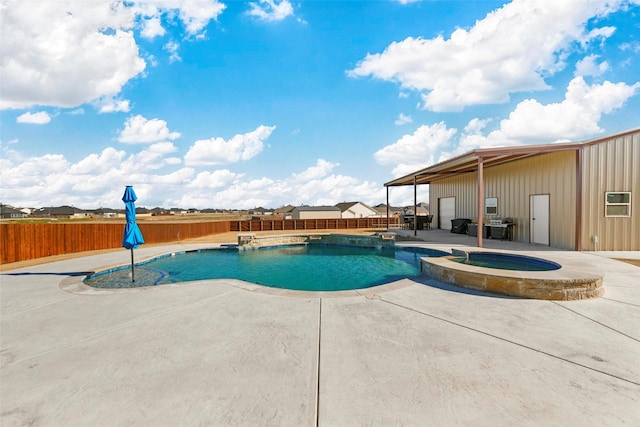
{"points": [[611, 165], [512, 183]]}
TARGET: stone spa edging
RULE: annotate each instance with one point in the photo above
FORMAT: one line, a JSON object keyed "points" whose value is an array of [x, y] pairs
{"points": [[564, 284]]}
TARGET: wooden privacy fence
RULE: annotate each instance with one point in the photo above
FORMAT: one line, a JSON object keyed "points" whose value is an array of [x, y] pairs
{"points": [[309, 224], [22, 242]]}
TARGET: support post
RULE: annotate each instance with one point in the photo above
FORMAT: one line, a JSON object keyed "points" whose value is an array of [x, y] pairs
{"points": [[415, 205], [480, 199], [133, 274], [579, 189], [387, 208]]}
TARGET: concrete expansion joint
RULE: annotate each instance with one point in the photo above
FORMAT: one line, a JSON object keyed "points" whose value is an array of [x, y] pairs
{"points": [[595, 321], [537, 350]]}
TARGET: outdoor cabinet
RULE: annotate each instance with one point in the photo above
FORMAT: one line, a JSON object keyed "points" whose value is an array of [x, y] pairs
{"points": [[472, 230], [502, 231], [499, 232], [459, 225]]}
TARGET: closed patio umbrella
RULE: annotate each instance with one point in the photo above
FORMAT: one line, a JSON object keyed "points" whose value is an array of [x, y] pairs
{"points": [[132, 236]]}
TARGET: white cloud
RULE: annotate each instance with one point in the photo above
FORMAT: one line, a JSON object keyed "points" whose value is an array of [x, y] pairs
{"points": [[152, 27], [139, 130], [588, 66], [321, 169], [153, 157], [511, 50], [97, 164], [172, 48], [195, 15], [66, 53], [39, 118], [99, 180], [415, 151], [271, 10], [216, 151], [110, 104], [574, 118], [216, 179], [403, 120], [630, 47]]}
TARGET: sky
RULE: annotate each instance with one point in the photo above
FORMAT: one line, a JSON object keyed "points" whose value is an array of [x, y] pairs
{"points": [[244, 104]]}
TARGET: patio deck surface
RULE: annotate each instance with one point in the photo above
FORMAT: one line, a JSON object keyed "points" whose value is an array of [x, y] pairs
{"points": [[221, 352]]}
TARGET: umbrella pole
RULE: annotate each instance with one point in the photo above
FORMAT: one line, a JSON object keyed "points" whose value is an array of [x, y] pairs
{"points": [[133, 276]]}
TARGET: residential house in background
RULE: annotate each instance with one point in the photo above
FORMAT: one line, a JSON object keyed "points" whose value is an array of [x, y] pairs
{"points": [[356, 210], [9, 212], [381, 210], [422, 209], [60, 212], [285, 212], [105, 213]]}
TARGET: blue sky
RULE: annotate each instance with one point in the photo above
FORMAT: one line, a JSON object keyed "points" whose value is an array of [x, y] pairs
{"points": [[240, 104]]}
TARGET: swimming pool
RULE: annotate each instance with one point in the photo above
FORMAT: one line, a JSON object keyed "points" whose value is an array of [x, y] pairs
{"points": [[296, 267]]}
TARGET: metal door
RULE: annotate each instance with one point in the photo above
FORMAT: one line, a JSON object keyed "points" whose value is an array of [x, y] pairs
{"points": [[446, 212], [539, 218]]}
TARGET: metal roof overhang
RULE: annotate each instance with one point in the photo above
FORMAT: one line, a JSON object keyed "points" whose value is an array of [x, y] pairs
{"points": [[469, 162]]}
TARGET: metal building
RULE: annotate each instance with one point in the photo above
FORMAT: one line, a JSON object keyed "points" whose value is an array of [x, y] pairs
{"points": [[576, 196], [316, 212]]}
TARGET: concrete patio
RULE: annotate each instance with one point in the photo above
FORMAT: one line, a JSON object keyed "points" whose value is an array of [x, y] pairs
{"points": [[224, 352]]}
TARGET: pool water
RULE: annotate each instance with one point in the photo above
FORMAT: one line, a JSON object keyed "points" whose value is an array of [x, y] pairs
{"points": [[508, 261], [304, 267]]}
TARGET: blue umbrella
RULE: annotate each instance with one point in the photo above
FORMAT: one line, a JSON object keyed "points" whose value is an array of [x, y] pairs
{"points": [[132, 236]]}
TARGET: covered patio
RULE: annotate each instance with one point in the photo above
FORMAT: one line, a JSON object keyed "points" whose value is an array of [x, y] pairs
{"points": [[477, 161]]}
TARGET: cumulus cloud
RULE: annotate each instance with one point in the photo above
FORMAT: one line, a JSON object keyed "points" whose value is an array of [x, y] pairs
{"points": [[39, 118], [98, 164], [575, 117], [194, 15], [321, 169], [316, 185], [172, 48], [217, 151], [152, 27], [99, 179], [417, 150], [66, 53], [271, 10], [154, 157], [139, 130], [216, 179], [111, 104], [511, 50], [588, 66], [403, 120]]}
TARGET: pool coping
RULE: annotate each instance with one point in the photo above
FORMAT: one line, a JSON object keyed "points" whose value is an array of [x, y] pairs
{"points": [[75, 285]]}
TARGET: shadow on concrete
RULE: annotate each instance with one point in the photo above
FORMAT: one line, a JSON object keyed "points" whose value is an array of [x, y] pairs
{"points": [[426, 280], [62, 273]]}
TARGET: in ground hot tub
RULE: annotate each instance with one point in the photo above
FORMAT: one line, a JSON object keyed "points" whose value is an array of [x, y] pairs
{"points": [[514, 275], [505, 261]]}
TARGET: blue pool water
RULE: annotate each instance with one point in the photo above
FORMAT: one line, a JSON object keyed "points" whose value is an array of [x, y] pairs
{"points": [[304, 267], [508, 261]]}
